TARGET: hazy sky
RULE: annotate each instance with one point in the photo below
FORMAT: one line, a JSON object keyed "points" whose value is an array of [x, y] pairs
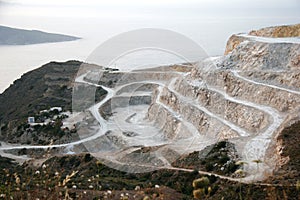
{"points": [[150, 8]]}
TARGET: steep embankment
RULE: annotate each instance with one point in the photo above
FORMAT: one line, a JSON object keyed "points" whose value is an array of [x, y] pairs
{"points": [[270, 64], [287, 148]]}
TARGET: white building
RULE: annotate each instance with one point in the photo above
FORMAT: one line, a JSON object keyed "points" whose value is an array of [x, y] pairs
{"points": [[31, 120]]}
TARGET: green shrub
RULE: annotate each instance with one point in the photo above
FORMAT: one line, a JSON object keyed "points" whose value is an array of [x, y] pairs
{"points": [[201, 183]]}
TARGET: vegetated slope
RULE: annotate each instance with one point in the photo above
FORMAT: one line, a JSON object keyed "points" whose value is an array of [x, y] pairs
{"points": [[48, 86], [219, 158], [91, 179], [13, 36], [95, 178]]}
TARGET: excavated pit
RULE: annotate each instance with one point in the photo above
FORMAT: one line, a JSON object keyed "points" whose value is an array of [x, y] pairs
{"points": [[149, 118]]}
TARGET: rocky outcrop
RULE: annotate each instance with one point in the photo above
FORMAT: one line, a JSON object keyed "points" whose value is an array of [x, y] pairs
{"points": [[289, 31], [288, 79], [259, 55], [286, 148], [233, 42], [278, 31]]}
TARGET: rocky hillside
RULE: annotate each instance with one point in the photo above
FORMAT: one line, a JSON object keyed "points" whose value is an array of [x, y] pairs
{"points": [[290, 31], [246, 96], [48, 86], [229, 122], [278, 31]]}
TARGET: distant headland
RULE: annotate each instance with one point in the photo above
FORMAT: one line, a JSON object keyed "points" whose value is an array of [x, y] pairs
{"points": [[15, 36]]}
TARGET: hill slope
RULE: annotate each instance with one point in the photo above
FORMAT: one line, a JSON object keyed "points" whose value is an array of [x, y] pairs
{"points": [[14, 36], [50, 85]]}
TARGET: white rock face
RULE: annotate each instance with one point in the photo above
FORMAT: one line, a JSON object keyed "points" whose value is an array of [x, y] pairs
{"points": [[244, 96]]}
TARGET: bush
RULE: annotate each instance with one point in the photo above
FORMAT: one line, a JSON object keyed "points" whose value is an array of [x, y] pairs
{"points": [[87, 157], [198, 193], [201, 183]]}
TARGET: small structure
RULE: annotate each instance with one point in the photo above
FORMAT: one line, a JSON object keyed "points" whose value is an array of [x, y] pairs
{"points": [[31, 120]]}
